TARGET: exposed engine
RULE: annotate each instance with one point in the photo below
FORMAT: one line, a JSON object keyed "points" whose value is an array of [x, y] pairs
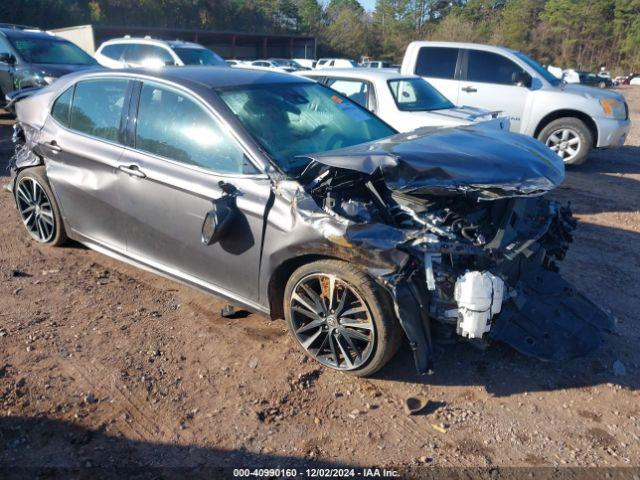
{"points": [[471, 256]]}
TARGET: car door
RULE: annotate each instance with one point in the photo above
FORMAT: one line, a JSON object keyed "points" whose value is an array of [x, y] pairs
{"points": [[440, 67], [492, 81], [7, 69], [183, 164], [81, 145]]}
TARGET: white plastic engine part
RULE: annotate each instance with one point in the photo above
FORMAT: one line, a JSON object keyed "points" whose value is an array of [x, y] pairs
{"points": [[479, 298]]}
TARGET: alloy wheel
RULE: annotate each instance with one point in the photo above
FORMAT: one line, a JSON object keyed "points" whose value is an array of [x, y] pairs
{"points": [[565, 142], [35, 209], [332, 322]]}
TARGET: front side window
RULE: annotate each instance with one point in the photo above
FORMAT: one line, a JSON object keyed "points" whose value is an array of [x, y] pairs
{"points": [[174, 126], [62, 107], [489, 67], [198, 56], [437, 62], [40, 50], [356, 90], [114, 51], [417, 95], [97, 108], [291, 120]]}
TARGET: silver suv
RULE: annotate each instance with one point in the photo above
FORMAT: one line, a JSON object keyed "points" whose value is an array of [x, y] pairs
{"points": [[569, 118], [151, 52]]}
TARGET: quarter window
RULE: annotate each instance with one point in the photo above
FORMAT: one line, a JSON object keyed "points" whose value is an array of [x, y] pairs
{"points": [[173, 126], [97, 108], [490, 67], [62, 107], [437, 62]]}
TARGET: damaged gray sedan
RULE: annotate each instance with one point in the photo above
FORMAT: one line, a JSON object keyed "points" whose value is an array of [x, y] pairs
{"points": [[284, 197]]}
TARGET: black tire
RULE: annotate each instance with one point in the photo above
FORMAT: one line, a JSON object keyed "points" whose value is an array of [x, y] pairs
{"points": [[387, 334], [24, 180], [578, 129]]}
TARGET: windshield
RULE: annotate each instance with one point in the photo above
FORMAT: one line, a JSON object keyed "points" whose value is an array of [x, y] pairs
{"points": [[417, 95], [198, 56], [543, 72], [41, 50], [290, 120]]}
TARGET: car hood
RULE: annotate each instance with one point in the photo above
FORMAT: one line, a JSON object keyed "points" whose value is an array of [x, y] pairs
{"points": [[463, 114], [590, 92], [445, 161]]}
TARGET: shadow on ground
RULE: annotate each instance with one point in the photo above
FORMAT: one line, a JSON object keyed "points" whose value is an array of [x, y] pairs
{"points": [[42, 447]]}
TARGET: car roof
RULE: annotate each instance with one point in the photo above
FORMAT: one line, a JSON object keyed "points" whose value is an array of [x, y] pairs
{"points": [[209, 77], [370, 74], [151, 41], [472, 46], [20, 33]]}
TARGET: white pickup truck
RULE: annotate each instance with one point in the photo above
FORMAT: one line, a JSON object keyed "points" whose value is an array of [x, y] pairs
{"points": [[570, 119]]}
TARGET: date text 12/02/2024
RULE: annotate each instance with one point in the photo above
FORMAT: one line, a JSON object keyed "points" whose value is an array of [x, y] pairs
{"points": [[316, 472]]}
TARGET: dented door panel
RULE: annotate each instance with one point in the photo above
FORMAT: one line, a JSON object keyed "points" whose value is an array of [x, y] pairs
{"points": [[84, 176]]}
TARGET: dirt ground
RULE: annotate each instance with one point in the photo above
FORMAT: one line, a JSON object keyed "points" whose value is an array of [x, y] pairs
{"points": [[102, 364]]}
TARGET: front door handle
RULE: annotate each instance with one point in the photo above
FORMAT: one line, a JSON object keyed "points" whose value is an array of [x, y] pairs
{"points": [[469, 89], [133, 170], [53, 147]]}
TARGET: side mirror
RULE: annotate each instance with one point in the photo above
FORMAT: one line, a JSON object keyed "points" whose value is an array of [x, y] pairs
{"points": [[218, 219], [6, 57], [521, 79]]}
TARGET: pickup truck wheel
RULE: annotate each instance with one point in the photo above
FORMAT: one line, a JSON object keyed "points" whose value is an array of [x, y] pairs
{"points": [[38, 208], [341, 318], [569, 137]]}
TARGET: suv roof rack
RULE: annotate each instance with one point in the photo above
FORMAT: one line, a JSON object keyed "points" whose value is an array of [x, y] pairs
{"points": [[15, 26]]}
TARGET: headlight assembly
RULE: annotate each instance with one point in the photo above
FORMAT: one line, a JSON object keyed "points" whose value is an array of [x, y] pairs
{"points": [[613, 108]]}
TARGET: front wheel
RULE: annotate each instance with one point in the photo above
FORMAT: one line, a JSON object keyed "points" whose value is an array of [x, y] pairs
{"points": [[37, 207], [570, 138], [340, 317]]}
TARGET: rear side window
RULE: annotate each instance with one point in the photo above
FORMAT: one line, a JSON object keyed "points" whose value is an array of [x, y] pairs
{"points": [[437, 62], [114, 51], [147, 55], [490, 67], [62, 107], [97, 108], [173, 126], [356, 90]]}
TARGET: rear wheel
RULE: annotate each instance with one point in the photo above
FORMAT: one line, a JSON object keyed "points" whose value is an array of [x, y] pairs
{"points": [[569, 137], [37, 206], [340, 317]]}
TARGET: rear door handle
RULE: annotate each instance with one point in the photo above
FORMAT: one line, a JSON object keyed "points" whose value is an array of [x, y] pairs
{"points": [[133, 170], [53, 146], [469, 89]]}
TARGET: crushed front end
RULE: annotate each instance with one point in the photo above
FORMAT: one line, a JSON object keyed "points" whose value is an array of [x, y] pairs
{"points": [[481, 240]]}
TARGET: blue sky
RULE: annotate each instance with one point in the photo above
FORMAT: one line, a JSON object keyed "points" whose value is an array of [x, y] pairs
{"points": [[368, 4]]}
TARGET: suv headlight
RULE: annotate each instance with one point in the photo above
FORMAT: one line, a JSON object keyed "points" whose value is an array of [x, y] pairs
{"points": [[613, 108]]}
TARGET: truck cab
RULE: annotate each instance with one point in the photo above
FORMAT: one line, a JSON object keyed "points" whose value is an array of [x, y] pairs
{"points": [[570, 119]]}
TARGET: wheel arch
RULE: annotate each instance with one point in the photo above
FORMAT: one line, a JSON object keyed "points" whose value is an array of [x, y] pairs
{"points": [[281, 275], [586, 119]]}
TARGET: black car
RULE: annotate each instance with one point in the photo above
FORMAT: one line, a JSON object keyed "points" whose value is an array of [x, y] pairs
{"points": [[32, 58], [593, 80]]}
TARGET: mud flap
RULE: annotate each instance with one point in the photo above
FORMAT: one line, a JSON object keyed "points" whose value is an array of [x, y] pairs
{"points": [[549, 319]]}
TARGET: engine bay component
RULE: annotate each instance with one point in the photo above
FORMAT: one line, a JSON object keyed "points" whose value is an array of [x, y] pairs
{"points": [[479, 297]]}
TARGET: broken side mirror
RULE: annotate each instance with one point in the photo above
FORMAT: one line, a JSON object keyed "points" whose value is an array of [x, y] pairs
{"points": [[521, 79], [6, 57], [218, 220]]}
